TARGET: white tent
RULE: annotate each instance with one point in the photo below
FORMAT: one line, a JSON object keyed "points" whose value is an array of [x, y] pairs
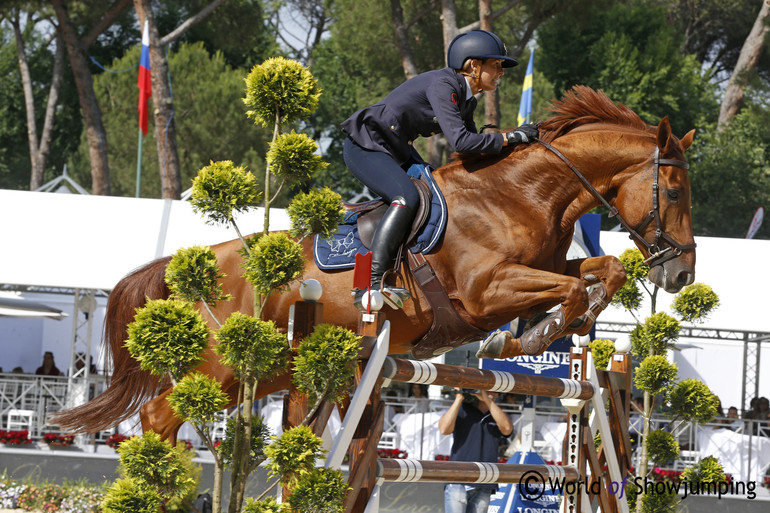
{"points": [[736, 270], [57, 248], [91, 242]]}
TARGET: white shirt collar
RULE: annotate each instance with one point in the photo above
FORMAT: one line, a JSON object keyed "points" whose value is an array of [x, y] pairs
{"points": [[469, 92]]}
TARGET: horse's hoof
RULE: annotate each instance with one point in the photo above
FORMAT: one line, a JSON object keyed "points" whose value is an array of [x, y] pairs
{"points": [[493, 345]]}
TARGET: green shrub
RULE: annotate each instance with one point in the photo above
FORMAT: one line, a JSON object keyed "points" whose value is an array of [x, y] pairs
{"points": [[662, 447], [129, 495], [221, 189], [167, 337], [655, 374], [325, 362], [602, 350], [695, 302]]}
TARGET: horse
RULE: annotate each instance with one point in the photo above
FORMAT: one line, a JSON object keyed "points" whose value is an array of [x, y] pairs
{"points": [[502, 256]]}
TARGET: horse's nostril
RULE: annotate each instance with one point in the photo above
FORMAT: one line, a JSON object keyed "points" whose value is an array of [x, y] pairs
{"points": [[684, 278]]}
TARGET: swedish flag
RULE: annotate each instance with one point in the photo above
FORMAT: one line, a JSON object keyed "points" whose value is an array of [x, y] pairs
{"points": [[525, 107]]}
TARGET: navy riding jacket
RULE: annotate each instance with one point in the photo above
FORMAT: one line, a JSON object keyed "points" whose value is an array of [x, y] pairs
{"points": [[430, 103]]}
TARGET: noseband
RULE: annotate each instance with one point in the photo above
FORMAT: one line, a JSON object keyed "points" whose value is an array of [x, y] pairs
{"points": [[658, 254]]}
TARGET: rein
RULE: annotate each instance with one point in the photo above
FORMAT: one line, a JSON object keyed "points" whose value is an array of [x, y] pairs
{"points": [[658, 255]]}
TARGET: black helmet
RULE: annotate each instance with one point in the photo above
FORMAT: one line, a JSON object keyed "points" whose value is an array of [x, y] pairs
{"points": [[477, 44]]}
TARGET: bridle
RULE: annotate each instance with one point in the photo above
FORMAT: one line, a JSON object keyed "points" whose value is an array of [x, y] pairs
{"points": [[658, 254]]}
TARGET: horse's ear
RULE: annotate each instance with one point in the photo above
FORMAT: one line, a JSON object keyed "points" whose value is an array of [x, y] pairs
{"points": [[687, 139], [664, 132]]}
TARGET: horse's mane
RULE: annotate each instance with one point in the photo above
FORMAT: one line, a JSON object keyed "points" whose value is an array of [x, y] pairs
{"points": [[582, 105], [579, 106]]}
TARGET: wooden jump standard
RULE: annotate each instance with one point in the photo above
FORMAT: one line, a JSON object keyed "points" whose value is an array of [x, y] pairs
{"points": [[367, 471]]}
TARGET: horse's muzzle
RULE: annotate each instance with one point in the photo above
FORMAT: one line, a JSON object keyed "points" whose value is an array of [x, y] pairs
{"points": [[672, 275]]}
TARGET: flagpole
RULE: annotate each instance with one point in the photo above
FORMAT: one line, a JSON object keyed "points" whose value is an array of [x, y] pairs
{"points": [[139, 165], [145, 92]]}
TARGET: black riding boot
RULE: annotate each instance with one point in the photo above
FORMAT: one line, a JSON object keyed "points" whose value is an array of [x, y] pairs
{"points": [[388, 237]]}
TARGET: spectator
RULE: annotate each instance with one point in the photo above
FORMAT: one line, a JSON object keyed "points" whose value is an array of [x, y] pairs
{"points": [[761, 416], [477, 427], [48, 368], [733, 421], [418, 394]]}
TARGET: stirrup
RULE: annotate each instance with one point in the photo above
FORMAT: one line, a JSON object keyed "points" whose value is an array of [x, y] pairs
{"points": [[394, 297]]}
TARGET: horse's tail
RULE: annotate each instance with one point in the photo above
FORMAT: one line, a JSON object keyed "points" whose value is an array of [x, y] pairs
{"points": [[129, 386]]}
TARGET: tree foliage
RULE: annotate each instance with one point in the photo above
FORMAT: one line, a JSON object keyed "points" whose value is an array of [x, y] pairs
{"points": [[282, 83], [221, 189], [633, 54], [197, 398], [318, 211], [193, 274], [252, 347], [209, 117], [695, 302], [325, 362], [730, 175], [154, 462], [167, 337], [293, 454]]}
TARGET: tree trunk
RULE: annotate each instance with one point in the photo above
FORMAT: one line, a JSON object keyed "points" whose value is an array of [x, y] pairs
{"points": [[92, 116], [747, 61], [163, 108], [38, 148], [491, 98], [402, 40], [448, 22]]}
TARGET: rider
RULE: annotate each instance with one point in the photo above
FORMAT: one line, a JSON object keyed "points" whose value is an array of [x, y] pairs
{"points": [[379, 149]]}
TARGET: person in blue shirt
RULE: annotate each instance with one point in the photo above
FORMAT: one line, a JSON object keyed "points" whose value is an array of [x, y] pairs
{"points": [[379, 145], [477, 427]]}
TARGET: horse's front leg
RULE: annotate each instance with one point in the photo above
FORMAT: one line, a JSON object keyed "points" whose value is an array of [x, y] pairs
{"points": [[524, 289], [605, 275]]}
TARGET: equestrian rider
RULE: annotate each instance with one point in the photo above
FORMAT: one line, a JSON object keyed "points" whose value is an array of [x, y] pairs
{"points": [[379, 149]]}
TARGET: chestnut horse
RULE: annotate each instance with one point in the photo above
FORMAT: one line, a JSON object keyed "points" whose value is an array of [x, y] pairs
{"points": [[503, 255]]}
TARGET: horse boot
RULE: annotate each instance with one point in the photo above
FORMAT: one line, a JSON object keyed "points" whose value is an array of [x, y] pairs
{"points": [[503, 344], [534, 340], [596, 304], [385, 244]]}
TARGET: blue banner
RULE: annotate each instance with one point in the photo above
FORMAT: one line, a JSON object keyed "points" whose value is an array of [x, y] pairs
{"points": [[510, 499]]}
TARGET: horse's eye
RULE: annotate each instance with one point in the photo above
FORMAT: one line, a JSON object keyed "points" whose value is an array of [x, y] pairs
{"points": [[673, 194]]}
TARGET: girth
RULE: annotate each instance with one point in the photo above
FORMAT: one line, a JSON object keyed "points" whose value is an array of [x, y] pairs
{"points": [[448, 329]]}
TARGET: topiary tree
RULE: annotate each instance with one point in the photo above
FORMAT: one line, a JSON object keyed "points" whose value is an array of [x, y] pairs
{"points": [[278, 92], [689, 400], [152, 473]]}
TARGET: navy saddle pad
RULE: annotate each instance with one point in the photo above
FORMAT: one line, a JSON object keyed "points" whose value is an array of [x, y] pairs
{"points": [[339, 251]]}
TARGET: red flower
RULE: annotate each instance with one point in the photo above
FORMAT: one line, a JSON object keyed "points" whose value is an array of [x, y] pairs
{"points": [[115, 440]]}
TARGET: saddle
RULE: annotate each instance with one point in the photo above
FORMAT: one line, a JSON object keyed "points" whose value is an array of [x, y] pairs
{"points": [[369, 214], [448, 330]]}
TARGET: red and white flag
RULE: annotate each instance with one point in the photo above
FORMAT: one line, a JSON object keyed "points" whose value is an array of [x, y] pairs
{"points": [[144, 82]]}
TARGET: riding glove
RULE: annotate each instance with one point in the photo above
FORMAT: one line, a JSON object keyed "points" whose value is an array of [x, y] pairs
{"points": [[524, 134]]}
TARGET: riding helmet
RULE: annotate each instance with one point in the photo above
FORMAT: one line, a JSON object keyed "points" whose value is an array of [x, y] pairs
{"points": [[477, 44]]}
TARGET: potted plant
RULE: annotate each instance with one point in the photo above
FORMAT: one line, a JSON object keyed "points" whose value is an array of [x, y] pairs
{"points": [[16, 437], [115, 440]]}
